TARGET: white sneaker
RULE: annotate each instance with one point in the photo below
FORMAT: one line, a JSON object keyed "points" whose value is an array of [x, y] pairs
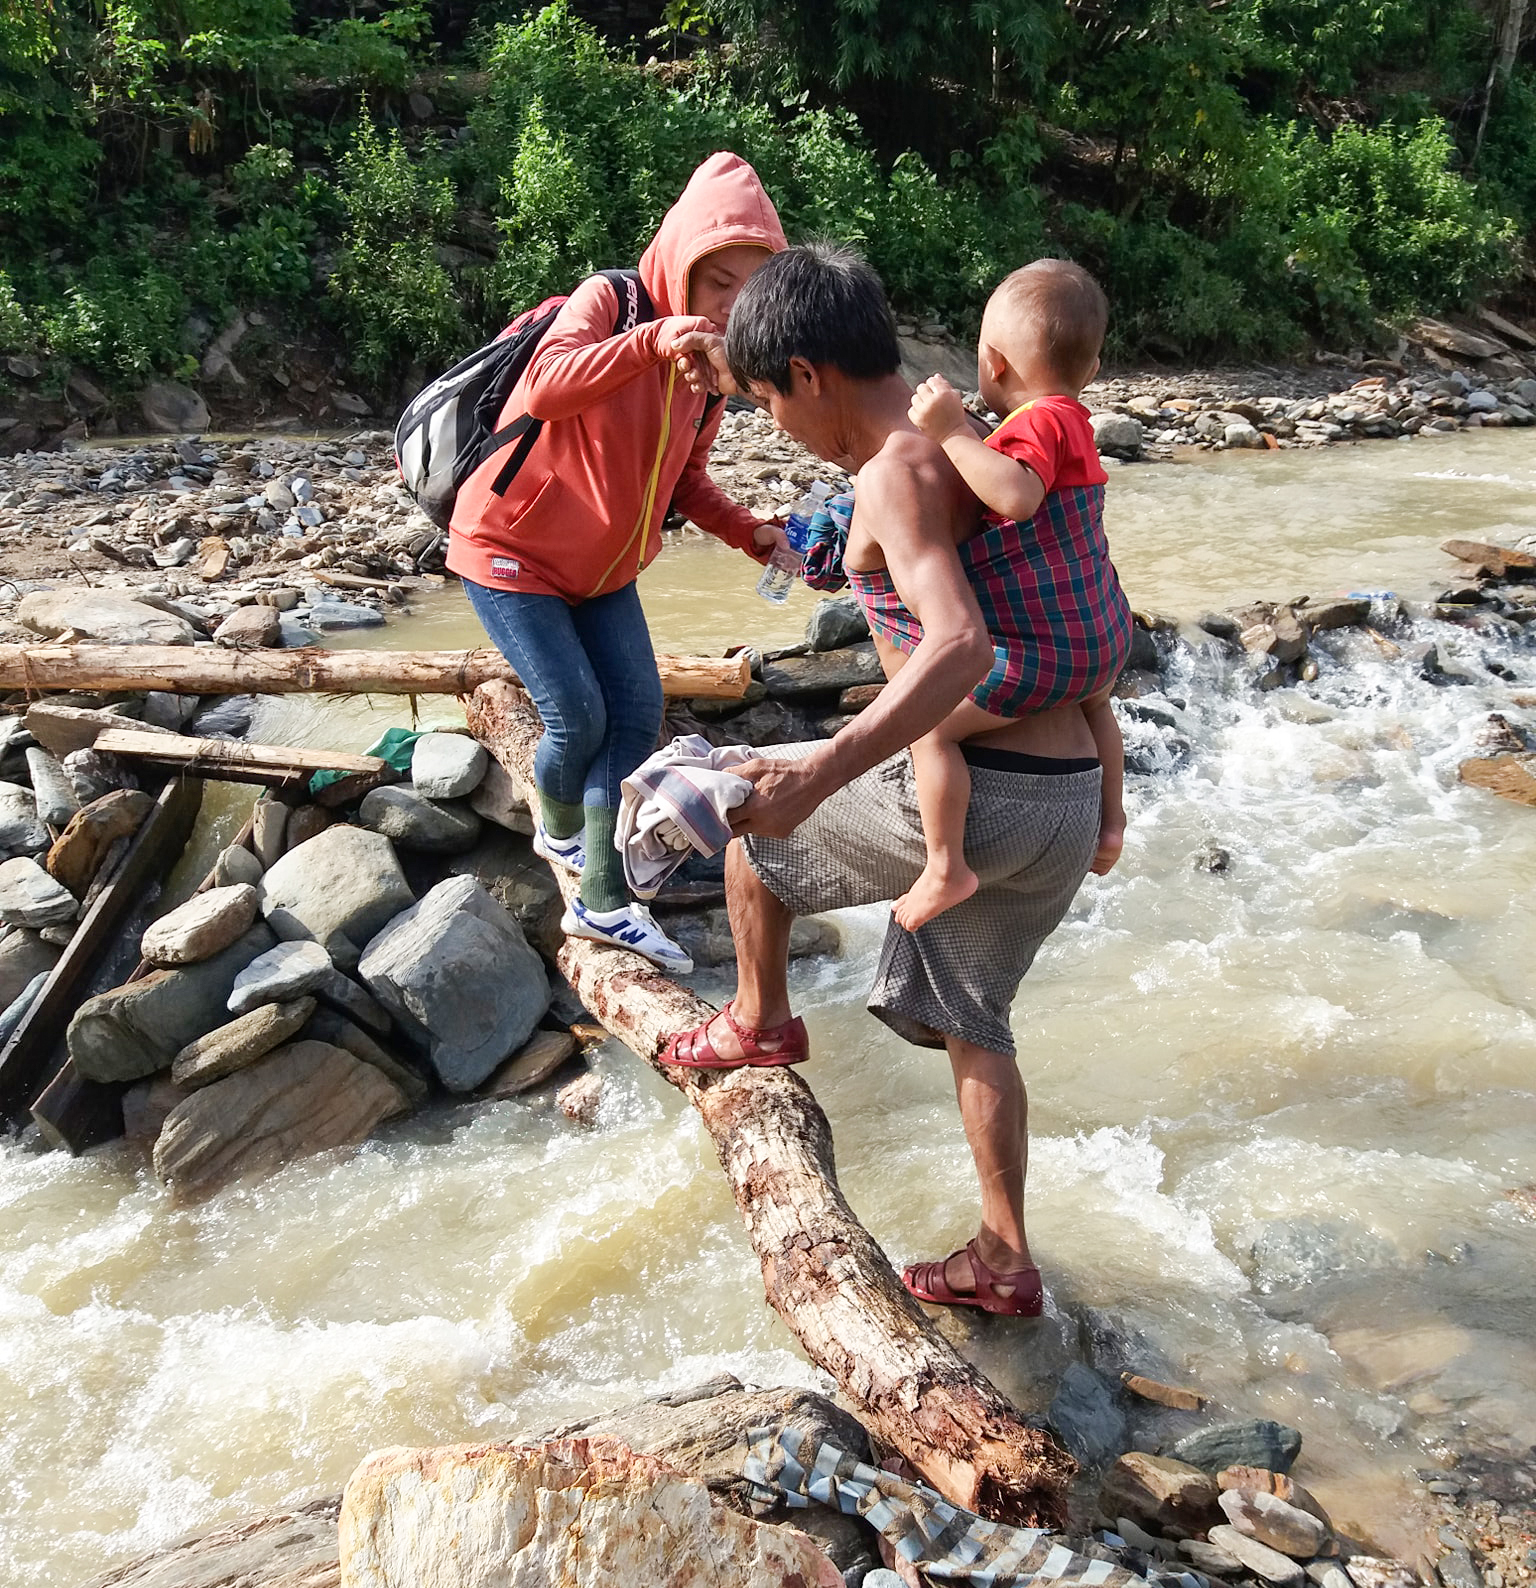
{"points": [[570, 854], [631, 926]]}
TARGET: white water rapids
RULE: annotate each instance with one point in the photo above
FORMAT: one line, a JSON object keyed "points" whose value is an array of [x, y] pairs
{"points": [[1275, 1108]]}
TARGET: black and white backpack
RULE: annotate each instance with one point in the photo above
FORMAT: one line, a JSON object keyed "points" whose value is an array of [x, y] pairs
{"points": [[449, 428]]}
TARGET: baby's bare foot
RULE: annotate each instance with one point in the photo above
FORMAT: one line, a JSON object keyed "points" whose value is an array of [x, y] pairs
{"points": [[932, 894]]}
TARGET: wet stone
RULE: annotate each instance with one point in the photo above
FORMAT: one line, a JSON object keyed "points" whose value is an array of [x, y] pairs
{"points": [[1214, 1562], [338, 889], [1260, 1443], [1158, 1492]]}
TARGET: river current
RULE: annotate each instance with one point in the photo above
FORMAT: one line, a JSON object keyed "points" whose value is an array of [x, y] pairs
{"points": [[1276, 1108]]}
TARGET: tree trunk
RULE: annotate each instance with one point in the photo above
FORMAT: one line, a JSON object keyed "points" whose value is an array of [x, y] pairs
{"points": [[823, 1272], [206, 670]]}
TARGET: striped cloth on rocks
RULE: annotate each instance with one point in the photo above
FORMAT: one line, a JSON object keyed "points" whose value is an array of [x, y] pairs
{"points": [[940, 1540]]}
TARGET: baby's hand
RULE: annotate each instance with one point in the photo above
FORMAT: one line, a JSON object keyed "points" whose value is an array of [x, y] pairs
{"points": [[937, 409]]}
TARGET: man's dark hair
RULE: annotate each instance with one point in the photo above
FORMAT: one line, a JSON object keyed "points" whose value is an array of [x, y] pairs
{"points": [[818, 302]]}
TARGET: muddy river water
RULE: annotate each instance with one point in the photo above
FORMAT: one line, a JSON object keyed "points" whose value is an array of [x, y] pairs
{"points": [[1275, 1109]]}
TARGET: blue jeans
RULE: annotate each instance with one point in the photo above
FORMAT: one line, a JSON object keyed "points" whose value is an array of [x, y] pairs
{"points": [[592, 674]]}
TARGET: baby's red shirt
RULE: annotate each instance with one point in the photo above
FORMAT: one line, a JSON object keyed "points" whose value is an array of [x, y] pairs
{"points": [[1054, 436]]}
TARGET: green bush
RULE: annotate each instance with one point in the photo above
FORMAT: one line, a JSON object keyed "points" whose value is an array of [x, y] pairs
{"points": [[16, 333], [396, 300], [121, 320]]}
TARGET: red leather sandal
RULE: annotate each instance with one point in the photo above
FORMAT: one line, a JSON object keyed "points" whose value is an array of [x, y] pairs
{"points": [[762, 1047], [1024, 1297]]}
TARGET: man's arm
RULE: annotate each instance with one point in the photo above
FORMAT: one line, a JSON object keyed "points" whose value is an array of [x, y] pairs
{"points": [[901, 495]]}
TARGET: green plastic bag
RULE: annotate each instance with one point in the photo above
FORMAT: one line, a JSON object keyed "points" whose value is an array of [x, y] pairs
{"points": [[394, 745]]}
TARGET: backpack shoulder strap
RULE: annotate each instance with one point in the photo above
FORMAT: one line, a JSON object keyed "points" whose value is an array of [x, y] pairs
{"points": [[635, 306]]}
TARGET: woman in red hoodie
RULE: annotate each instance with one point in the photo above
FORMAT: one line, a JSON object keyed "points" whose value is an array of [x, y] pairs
{"points": [[550, 565]]}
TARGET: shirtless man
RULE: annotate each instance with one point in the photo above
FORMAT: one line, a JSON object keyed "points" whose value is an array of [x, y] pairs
{"points": [[836, 823]]}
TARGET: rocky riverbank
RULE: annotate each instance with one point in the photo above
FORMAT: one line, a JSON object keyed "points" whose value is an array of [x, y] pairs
{"points": [[695, 1480], [322, 531]]}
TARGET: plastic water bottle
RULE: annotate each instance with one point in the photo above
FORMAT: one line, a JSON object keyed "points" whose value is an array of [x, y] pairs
{"points": [[784, 566]]}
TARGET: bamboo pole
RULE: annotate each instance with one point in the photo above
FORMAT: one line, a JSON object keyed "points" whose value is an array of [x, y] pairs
{"points": [[210, 670], [823, 1272]]}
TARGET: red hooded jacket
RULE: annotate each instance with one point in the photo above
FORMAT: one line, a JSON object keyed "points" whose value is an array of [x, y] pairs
{"points": [[624, 436]]}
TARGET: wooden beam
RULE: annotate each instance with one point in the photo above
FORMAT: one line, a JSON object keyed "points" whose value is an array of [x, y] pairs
{"points": [[35, 1051], [233, 760], [209, 670], [823, 1272]]}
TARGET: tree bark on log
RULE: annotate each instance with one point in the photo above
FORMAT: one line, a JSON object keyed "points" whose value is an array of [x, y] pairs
{"points": [[823, 1272], [204, 670]]}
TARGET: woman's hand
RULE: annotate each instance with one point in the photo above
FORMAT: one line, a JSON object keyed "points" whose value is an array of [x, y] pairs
{"points": [[937, 410], [700, 359], [769, 536]]}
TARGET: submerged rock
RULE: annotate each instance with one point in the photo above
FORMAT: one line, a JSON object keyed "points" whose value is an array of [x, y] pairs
{"points": [[1260, 1443], [458, 975]]}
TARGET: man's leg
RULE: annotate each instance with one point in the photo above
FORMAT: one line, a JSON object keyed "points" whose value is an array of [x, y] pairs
{"points": [[994, 1108], [760, 926]]}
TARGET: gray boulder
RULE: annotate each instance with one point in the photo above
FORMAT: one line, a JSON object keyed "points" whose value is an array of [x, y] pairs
{"points": [[338, 890], [403, 816], [822, 672], [236, 865], [287, 971], [172, 409], [106, 617], [134, 1030], [1118, 435], [447, 766], [502, 799], [21, 832], [458, 975], [836, 622], [30, 897], [1087, 1416], [51, 788], [23, 954]]}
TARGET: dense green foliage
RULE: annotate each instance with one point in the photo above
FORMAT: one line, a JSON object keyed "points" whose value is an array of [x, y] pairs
{"points": [[1242, 176]]}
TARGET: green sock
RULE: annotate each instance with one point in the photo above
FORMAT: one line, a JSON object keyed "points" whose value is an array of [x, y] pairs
{"points": [[602, 877], [560, 820]]}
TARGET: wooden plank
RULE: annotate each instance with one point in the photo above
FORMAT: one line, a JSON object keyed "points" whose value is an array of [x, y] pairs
{"points": [[35, 1051], [211, 670], [235, 761], [76, 1114]]}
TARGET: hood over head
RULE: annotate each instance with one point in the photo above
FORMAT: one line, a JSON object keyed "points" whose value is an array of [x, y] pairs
{"points": [[723, 204]]}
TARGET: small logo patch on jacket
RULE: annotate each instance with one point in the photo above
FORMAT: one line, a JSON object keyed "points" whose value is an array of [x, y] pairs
{"points": [[505, 567]]}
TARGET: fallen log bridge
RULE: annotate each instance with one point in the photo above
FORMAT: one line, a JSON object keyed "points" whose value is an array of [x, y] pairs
{"points": [[215, 670], [823, 1272]]}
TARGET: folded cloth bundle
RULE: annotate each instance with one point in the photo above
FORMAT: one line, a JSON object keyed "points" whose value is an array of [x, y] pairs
{"points": [[825, 539], [676, 802]]}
